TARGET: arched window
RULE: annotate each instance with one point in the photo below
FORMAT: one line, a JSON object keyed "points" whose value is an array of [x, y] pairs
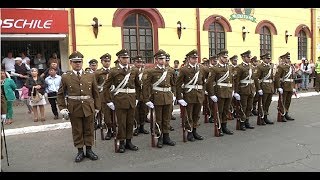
{"points": [[265, 40], [217, 40], [137, 35], [302, 44]]}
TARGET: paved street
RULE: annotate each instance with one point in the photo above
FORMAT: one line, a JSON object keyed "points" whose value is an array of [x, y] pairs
{"points": [[290, 146]]}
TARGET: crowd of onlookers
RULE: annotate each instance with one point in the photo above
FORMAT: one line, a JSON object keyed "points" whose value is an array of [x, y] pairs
{"points": [[304, 74]]}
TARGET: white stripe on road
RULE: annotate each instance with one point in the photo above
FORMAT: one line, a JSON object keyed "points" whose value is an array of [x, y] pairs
{"points": [[66, 125]]}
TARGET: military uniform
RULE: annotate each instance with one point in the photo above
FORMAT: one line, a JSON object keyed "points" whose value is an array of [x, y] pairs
{"points": [[93, 63], [190, 87], [124, 82], [175, 80], [213, 63], [220, 84], [83, 99], [159, 88], [284, 80], [233, 65], [245, 86], [264, 73], [101, 77], [256, 96]]}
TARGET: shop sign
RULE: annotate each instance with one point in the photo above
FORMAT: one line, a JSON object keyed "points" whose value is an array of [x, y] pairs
{"points": [[243, 14]]}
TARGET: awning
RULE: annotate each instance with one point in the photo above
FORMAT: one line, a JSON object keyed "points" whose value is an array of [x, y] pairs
{"points": [[19, 37]]}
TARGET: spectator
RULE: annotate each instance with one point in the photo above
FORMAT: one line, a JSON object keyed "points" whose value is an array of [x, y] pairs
{"points": [[9, 62], [40, 63], [54, 58], [38, 83], [8, 87], [54, 65], [25, 98], [20, 73], [297, 76], [25, 59], [52, 86], [306, 71]]}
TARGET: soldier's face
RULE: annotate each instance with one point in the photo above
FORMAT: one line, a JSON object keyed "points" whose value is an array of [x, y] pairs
{"points": [[214, 62], [234, 62], [246, 59], [106, 63], [224, 59], [267, 60], [193, 60], [76, 65], [93, 67], [161, 61], [124, 60], [138, 64]]}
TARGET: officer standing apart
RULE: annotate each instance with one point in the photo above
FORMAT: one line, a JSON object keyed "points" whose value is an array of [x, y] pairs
{"points": [[244, 87], [265, 84], [190, 92], [124, 83], [101, 77], [158, 93], [285, 84], [220, 88], [82, 105]]}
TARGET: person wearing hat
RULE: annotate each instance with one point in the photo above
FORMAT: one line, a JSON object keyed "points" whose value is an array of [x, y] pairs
{"points": [[265, 85], [233, 64], [20, 74], [284, 84], [141, 108], [125, 85], [93, 65], [245, 88], [213, 60], [205, 61], [317, 72], [82, 104], [254, 62], [159, 93], [220, 88], [101, 77], [190, 93]]}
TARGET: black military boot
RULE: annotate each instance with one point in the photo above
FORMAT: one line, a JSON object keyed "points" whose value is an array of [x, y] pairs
{"points": [[130, 146], [80, 156], [90, 154], [136, 132], [196, 135], [288, 117], [122, 147], [225, 129], [254, 112], [142, 130], [248, 125], [211, 119], [190, 137], [109, 134], [242, 126], [160, 142], [167, 140], [173, 118], [266, 120]]}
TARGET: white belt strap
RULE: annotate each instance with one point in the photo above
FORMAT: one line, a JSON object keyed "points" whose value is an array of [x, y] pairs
{"points": [[122, 84], [126, 90], [224, 77], [250, 81], [267, 81], [288, 80], [194, 86], [160, 79], [162, 89], [194, 80], [225, 84], [79, 97]]}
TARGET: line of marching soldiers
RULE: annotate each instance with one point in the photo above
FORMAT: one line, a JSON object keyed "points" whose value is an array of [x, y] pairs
{"points": [[120, 98]]}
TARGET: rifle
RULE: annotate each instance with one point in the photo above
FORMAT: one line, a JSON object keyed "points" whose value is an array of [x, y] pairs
{"points": [[115, 132], [280, 108], [101, 124], [205, 109], [152, 129], [260, 111], [183, 120], [230, 113], [217, 123], [238, 110], [5, 142]]}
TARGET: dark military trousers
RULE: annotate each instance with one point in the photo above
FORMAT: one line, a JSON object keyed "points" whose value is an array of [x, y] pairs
{"points": [[141, 113], [224, 106], [1, 146], [193, 112], [106, 111], [163, 116], [317, 82], [255, 101], [266, 101], [125, 119], [287, 95], [82, 130], [246, 103]]}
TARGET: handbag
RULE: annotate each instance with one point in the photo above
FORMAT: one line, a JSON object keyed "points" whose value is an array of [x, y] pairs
{"points": [[35, 95]]}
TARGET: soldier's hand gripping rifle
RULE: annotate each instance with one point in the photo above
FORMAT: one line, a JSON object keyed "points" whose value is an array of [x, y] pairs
{"points": [[153, 124], [239, 113], [216, 119], [183, 122], [205, 109], [260, 111], [280, 108], [115, 132]]}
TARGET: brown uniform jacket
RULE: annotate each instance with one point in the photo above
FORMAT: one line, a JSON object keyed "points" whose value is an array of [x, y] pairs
{"points": [[158, 97], [122, 100], [101, 77], [241, 72], [261, 72], [185, 75], [216, 72], [72, 86], [140, 71], [282, 71]]}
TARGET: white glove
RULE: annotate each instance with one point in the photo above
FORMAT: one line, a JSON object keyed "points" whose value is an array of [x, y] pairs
{"points": [[137, 102], [150, 104], [206, 92], [97, 111], [237, 96], [294, 90], [260, 92], [174, 98], [214, 98], [3, 117], [232, 93], [64, 112], [280, 90], [111, 105], [182, 102]]}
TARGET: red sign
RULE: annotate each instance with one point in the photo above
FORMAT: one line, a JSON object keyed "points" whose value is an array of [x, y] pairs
{"points": [[34, 21]]}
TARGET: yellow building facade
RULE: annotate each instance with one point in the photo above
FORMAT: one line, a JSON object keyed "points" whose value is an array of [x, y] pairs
{"points": [[294, 30]]}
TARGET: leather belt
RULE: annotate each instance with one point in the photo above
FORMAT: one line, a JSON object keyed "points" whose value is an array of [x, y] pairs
{"points": [[194, 87], [79, 97], [127, 90], [267, 81], [288, 80], [225, 84], [247, 81], [162, 89]]}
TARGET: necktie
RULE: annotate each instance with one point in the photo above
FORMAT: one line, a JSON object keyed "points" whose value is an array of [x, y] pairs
{"points": [[125, 69], [78, 73]]}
